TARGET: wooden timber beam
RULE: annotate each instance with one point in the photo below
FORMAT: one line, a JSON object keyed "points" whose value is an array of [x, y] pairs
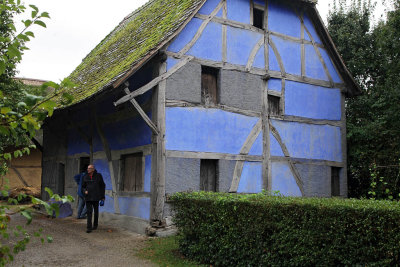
{"points": [[146, 118], [107, 150], [154, 82]]}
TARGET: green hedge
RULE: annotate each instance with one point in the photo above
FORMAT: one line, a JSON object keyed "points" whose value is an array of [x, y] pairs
{"points": [[260, 230]]}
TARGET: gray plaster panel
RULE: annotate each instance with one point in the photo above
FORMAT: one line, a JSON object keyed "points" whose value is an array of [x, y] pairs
{"points": [[316, 179], [182, 175], [241, 90], [225, 174], [185, 84]]}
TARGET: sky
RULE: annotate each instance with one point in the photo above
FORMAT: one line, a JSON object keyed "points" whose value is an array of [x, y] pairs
{"points": [[75, 28]]}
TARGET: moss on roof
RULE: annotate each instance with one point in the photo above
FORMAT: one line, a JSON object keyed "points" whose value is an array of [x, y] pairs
{"points": [[138, 35]]}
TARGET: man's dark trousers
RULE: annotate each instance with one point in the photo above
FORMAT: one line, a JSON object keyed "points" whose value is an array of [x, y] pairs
{"points": [[92, 205]]}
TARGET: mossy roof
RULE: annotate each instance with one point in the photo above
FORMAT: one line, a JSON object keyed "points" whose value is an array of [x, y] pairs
{"points": [[139, 34]]}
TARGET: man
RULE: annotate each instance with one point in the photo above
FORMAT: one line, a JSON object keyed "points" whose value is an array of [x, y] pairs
{"points": [[81, 198], [94, 190]]}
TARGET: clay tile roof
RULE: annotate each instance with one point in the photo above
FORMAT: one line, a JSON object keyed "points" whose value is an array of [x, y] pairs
{"points": [[139, 35]]}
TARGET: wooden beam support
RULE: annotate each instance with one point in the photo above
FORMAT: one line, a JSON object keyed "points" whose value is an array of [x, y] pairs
{"points": [[142, 113], [107, 150], [154, 82], [158, 152], [201, 29], [253, 53], [292, 166], [255, 132], [211, 155]]}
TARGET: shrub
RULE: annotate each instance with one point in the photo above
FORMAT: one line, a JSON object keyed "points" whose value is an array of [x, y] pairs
{"points": [[261, 230]]}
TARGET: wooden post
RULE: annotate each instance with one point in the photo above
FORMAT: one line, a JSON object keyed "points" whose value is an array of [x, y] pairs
{"points": [[158, 151]]}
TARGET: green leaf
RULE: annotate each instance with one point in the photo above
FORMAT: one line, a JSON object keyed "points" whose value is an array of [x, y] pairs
{"points": [[27, 22], [34, 8], [27, 215], [4, 130], [13, 51], [29, 33], [7, 156], [45, 15], [41, 23], [34, 13], [49, 191], [2, 67], [49, 239], [5, 110]]}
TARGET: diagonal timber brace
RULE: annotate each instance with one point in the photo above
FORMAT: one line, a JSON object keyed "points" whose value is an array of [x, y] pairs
{"points": [[154, 82], [146, 118]]}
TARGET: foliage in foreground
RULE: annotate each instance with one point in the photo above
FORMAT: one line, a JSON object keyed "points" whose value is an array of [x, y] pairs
{"points": [[371, 53], [165, 252], [9, 250], [261, 230]]}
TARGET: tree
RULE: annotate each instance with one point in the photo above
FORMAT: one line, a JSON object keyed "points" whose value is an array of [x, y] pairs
{"points": [[373, 119], [21, 113]]}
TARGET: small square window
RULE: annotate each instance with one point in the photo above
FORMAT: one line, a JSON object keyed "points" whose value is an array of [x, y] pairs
{"points": [[209, 86], [273, 105], [258, 18], [132, 173], [208, 175], [335, 181]]}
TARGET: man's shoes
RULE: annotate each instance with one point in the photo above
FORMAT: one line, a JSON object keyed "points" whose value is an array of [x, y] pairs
{"points": [[88, 230], [94, 228]]}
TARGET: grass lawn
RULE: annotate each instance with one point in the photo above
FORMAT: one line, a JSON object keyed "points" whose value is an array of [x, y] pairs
{"points": [[164, 252]]}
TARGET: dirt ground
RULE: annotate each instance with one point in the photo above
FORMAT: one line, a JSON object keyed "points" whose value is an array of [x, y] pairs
{"points": [[72, 246]]}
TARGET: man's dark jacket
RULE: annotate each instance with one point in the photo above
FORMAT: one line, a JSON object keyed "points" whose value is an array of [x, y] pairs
{"points": [[95, 187]]}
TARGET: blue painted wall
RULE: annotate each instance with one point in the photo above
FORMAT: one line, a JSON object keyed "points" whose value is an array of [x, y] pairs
{"points": [[290, 53], [259, 61], [239, 45], [209, 7], [239, 10], [204, 48], [257, 148], [275, 85], [171, 62], [331, 68], [275, 147], [206, 130], [251, 179], [135, 206], [314, 67], [185, 36], [147, 174], [128, 133], [310, 27], [273, 60], [310, 141], [101, 166], [311, 101], [283, 19], [283, 180]]}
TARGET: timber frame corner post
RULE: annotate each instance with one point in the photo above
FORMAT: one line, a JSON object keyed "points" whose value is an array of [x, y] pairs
{"points": [[158, 146]]}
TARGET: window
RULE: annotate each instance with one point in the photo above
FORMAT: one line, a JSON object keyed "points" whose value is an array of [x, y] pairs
{"points": [[208, 175], [209, 86], [335, 181], [258, 18], [273, 105], [132, 173], [83, 164]]}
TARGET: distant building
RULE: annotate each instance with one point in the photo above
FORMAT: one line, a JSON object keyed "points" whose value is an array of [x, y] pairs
{"points": [[218, 95], [26, 171]]}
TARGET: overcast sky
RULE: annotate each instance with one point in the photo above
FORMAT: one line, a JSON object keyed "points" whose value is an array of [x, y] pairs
{"points": [[75, 28]]}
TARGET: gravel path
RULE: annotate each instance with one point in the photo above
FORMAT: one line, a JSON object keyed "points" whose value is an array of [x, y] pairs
{"points": [[72, 246]]}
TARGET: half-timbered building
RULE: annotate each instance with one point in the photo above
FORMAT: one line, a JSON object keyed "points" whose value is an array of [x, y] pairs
{"points": [[220, 95]]}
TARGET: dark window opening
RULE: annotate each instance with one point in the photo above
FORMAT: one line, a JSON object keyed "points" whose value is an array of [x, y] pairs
{"points": [[209, 86], [83, 164], [258, 18], [335, 181], [132, 173], [273, 105], [208, 175]]}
